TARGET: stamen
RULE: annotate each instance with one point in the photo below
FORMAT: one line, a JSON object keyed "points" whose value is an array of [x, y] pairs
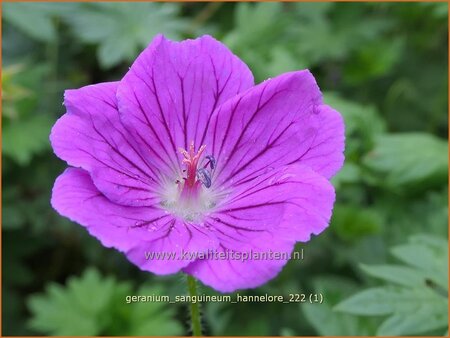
{"points": [[211, 162], [191, 196], [190, 186], [204, 176]]}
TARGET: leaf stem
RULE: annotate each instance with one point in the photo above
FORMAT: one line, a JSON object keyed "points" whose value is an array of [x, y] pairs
{"points": [[196, 324]]}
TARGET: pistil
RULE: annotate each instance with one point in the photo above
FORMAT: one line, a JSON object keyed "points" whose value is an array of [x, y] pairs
{"points": [[191, 197], [190, 187]]}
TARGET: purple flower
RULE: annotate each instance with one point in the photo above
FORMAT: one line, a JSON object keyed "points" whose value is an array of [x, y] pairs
{"points": [[186, 154]]}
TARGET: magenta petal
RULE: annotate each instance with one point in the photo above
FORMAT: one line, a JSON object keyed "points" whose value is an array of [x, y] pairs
{"points": [[254, 207], [132, 230], [91, 136], [232, 275], [288, 204], [172, 88], [326, 154], [279, 122]]}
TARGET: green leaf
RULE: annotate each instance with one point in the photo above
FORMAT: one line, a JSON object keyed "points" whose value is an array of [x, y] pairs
{"points": [[152, 318], [407, 159], [23, 93], [352, 223], [65, 311], [256, 22], [36, 19], [398, 274], [426, 319], [110, 54], [32, 18], [350, 173], [26, 123], [428, 254], [362, 124], [333, 39], [325, 320], [24, 138], [358, 117], [375, 302], [282, 61], [419, 301], [95, 305], [122, 29], [374, 60]]}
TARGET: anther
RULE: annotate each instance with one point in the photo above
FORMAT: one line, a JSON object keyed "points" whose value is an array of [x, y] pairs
{"points": [[211, 162], [204, 176]]}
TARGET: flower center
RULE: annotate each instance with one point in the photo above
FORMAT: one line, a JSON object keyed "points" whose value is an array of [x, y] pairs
{"points": [[190, 196]]}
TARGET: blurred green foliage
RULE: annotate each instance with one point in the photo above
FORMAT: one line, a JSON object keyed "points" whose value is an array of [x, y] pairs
{"points": [[382, 65], [416, 296], [72, 311], [120, 30]]}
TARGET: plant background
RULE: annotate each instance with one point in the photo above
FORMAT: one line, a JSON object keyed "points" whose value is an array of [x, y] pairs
{"points": [[381, 265]]}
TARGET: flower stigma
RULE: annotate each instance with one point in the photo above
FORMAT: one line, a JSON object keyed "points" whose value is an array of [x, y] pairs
{"points": [[191, 197]]}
